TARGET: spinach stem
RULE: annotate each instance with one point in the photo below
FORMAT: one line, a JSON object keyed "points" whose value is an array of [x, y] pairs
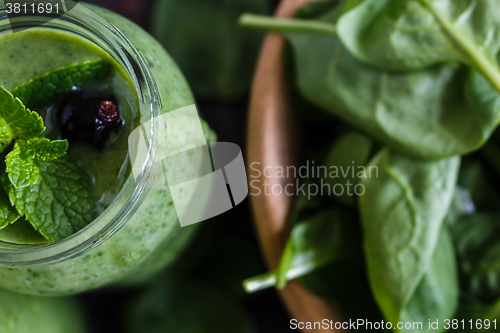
{"points": [[473, 57], [284, 266], [260, 282], [283, 25], [292, 272]]}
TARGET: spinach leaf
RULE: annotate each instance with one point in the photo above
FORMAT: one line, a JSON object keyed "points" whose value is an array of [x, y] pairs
{"points": [[436, 297], [214, 53], [434, 113], [478, 249], [314, 242], [347, 157], [415, 34], [402, 212]]}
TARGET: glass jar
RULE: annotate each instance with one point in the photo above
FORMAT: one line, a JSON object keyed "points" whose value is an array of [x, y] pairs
{"points": [[139, 233]]}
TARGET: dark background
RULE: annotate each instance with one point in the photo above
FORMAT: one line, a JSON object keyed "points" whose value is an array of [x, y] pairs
{"points": [[104, 309]]}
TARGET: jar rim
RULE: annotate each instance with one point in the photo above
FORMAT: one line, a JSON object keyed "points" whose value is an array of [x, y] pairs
{"points": [[93, 27]]}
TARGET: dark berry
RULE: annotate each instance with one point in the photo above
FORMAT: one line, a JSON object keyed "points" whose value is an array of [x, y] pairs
{"points": [[94, 120], [108, 111]]}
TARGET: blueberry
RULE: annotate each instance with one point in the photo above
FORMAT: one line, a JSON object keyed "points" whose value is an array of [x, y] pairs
{"points": [[94, 120]]}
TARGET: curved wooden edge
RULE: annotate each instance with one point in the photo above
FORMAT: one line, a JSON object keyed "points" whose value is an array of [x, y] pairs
{"points": [[271, 143]]}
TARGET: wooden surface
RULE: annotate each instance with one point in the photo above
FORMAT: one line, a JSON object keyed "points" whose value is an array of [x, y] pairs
{"points": [[271, 141]]}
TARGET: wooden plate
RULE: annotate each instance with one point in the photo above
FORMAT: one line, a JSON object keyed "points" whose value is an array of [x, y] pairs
{"points": [[272, 142]]}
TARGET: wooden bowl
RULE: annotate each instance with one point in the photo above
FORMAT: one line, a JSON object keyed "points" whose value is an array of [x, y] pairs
{"points": [[272, 142]]}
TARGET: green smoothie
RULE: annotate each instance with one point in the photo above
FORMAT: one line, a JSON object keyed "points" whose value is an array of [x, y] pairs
{"points": [[152, 237]]}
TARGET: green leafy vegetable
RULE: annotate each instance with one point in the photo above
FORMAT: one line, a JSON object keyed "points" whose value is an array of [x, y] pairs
{"points": [[45, 89], [436, 297], [402, 212], [348, 155], [216, 55], [438, 112], [22, 161], [59, 203], [409, 35]]}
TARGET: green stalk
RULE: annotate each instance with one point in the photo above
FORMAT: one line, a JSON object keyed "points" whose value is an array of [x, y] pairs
{"points": [[284, 25], [284, 266], [284, 273], [260, 282], [473, 57]]}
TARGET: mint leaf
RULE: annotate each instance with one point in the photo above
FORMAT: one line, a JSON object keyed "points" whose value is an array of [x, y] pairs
{"points": [[8, 214], [22, 161], [6, 135], [43, 149], [59, 203], [45, 89], [20, 121]]}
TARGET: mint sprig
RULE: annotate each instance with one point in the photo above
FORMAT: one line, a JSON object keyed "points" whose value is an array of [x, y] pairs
{"points": [[40, 181]]}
